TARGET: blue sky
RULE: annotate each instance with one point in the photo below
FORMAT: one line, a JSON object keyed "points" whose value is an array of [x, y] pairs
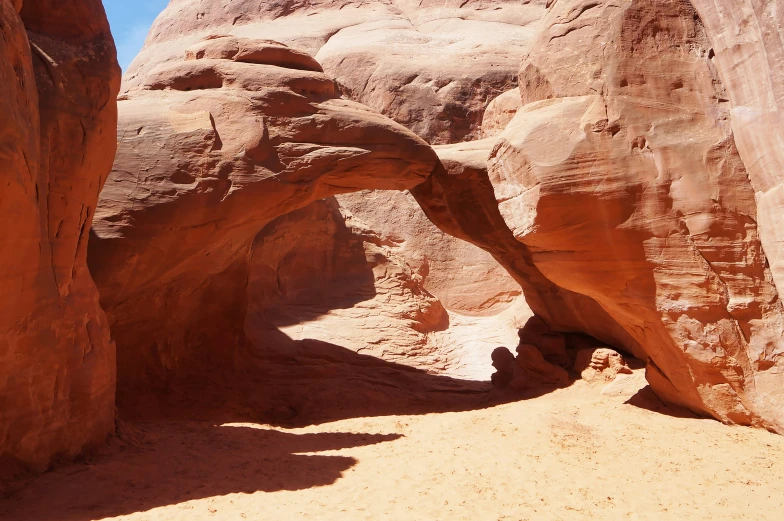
{"points": [[130, 21]]}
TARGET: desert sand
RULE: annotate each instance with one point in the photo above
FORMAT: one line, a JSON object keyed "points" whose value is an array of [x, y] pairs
{"points": [[572, 454]]}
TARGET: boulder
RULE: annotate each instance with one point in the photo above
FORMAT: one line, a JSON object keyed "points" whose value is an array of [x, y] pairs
{"points": [[600, 364]]}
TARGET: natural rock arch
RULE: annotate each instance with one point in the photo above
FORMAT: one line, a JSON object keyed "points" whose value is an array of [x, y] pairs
{"points": [[212, 149]]}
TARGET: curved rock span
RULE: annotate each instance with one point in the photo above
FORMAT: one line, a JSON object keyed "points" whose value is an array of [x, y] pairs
{"points": [[212, 149], [621, 175]]}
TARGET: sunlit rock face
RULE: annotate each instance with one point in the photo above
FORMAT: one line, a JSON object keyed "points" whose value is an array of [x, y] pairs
{"points": [[410, 295], [432, 66], [622, 177], [58, 82], [747, 42]]}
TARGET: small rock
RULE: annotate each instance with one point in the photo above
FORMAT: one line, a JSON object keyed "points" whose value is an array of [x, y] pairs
{"points": [[601, 364]]}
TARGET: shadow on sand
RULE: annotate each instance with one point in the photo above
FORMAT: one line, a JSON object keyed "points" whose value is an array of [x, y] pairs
{"points": [[646, 399], [176, 446], [308, 383], [154, 464]]}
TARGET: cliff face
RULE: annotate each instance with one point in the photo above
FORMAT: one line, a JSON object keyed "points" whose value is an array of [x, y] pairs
{"points": [[59, 82]]}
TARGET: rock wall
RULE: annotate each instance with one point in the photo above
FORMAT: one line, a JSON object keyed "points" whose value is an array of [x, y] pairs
{"points": [[621, 176], [59, 79], [747, 43]]}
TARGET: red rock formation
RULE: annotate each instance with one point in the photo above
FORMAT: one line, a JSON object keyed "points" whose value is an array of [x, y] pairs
{"points": [[441, 100], [635, 195], [432, 66], [212, 150], [59, 82], [459, 199], [621, 176]]}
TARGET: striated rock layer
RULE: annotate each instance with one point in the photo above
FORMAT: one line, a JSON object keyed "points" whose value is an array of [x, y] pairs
{"points": [[621, 176], [58, 82]]}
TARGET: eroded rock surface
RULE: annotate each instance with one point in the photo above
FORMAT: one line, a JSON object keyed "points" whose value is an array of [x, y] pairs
{"points": [[621, 176], [58, 82], [600, 364]]}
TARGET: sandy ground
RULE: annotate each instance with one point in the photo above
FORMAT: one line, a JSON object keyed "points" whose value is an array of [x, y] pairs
{"points": [[572, 454]]}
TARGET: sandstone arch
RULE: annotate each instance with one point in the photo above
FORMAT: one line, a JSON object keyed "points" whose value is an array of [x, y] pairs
{"points": [[635, 196], [213, 148]]}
